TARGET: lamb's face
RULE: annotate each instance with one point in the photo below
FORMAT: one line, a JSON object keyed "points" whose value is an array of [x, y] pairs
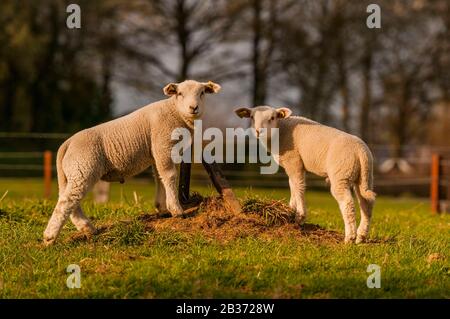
{"points": [[264, 118], [189, 96]]}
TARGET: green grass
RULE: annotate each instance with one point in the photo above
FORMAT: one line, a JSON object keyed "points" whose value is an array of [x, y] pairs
{"points": [[130, 261]]}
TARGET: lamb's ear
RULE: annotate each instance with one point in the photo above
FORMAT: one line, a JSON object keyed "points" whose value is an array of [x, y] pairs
{"points": [[211, 87], [170, 89], [243, 112], [283, 112]]}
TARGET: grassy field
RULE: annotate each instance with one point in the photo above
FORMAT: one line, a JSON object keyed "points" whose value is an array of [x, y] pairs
{"points": [[131, 260]]}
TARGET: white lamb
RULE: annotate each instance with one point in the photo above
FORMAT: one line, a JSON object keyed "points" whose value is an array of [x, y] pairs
{"points": [[305, 145], [124, 147]]}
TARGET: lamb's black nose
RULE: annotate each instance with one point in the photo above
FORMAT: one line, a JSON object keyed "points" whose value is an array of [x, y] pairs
{"points": [[194, 109]]}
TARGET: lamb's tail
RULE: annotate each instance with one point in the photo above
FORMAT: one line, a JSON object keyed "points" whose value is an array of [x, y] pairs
{"points": [[366, 175], [62, 179]]}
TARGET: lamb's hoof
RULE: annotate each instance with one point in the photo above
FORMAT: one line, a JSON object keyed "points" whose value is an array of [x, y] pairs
{"points": [[360, 239], [89, 231], [349, 240], [49, 238], [49, 241], [177, 215], [175, 210], [161, 208], [300, 219]]}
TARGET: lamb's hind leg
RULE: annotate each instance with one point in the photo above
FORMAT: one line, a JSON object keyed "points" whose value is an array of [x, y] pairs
{"points": [[68, 202], [81, 222], [366, 215], [340, 189]]}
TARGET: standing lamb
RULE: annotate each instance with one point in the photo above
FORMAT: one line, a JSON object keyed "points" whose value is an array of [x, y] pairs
{"points": [[124, 147], [305, 145]]}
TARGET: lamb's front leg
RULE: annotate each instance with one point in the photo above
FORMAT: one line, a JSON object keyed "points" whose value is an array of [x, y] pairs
{"points": [[167, 170], [160, 196], [297, 187]]}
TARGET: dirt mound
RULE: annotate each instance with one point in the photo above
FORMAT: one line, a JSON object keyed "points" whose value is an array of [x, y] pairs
{"points": [[212, 218], [259, 218]]}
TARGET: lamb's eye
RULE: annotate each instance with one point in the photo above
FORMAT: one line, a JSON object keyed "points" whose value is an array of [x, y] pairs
{"points": [[181, 94], [251, 117], [272, 118], [203, 93]]}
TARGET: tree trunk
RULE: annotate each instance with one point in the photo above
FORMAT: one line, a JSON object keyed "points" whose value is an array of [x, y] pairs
{"points": [[403, 117], [183, 40], [258, 90], [364, 117], [344, 90], [45, 79], [106, 98], [345, 108], [10, 94], [185, 61]]}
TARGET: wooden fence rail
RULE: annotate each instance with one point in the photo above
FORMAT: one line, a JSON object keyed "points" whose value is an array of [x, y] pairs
{"points": [[439, 201], [47, 174]]}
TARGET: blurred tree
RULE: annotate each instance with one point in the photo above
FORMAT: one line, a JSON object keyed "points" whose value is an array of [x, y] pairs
{"points": [[264, 40], [182, 39], [307, 57], [318, 56], [48, 73], [326, 48], [261, 30], [407, 70]]}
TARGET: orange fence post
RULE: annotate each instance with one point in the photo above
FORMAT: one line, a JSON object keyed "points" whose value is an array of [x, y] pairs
{"points": [[47, 174], [434, 189]]}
